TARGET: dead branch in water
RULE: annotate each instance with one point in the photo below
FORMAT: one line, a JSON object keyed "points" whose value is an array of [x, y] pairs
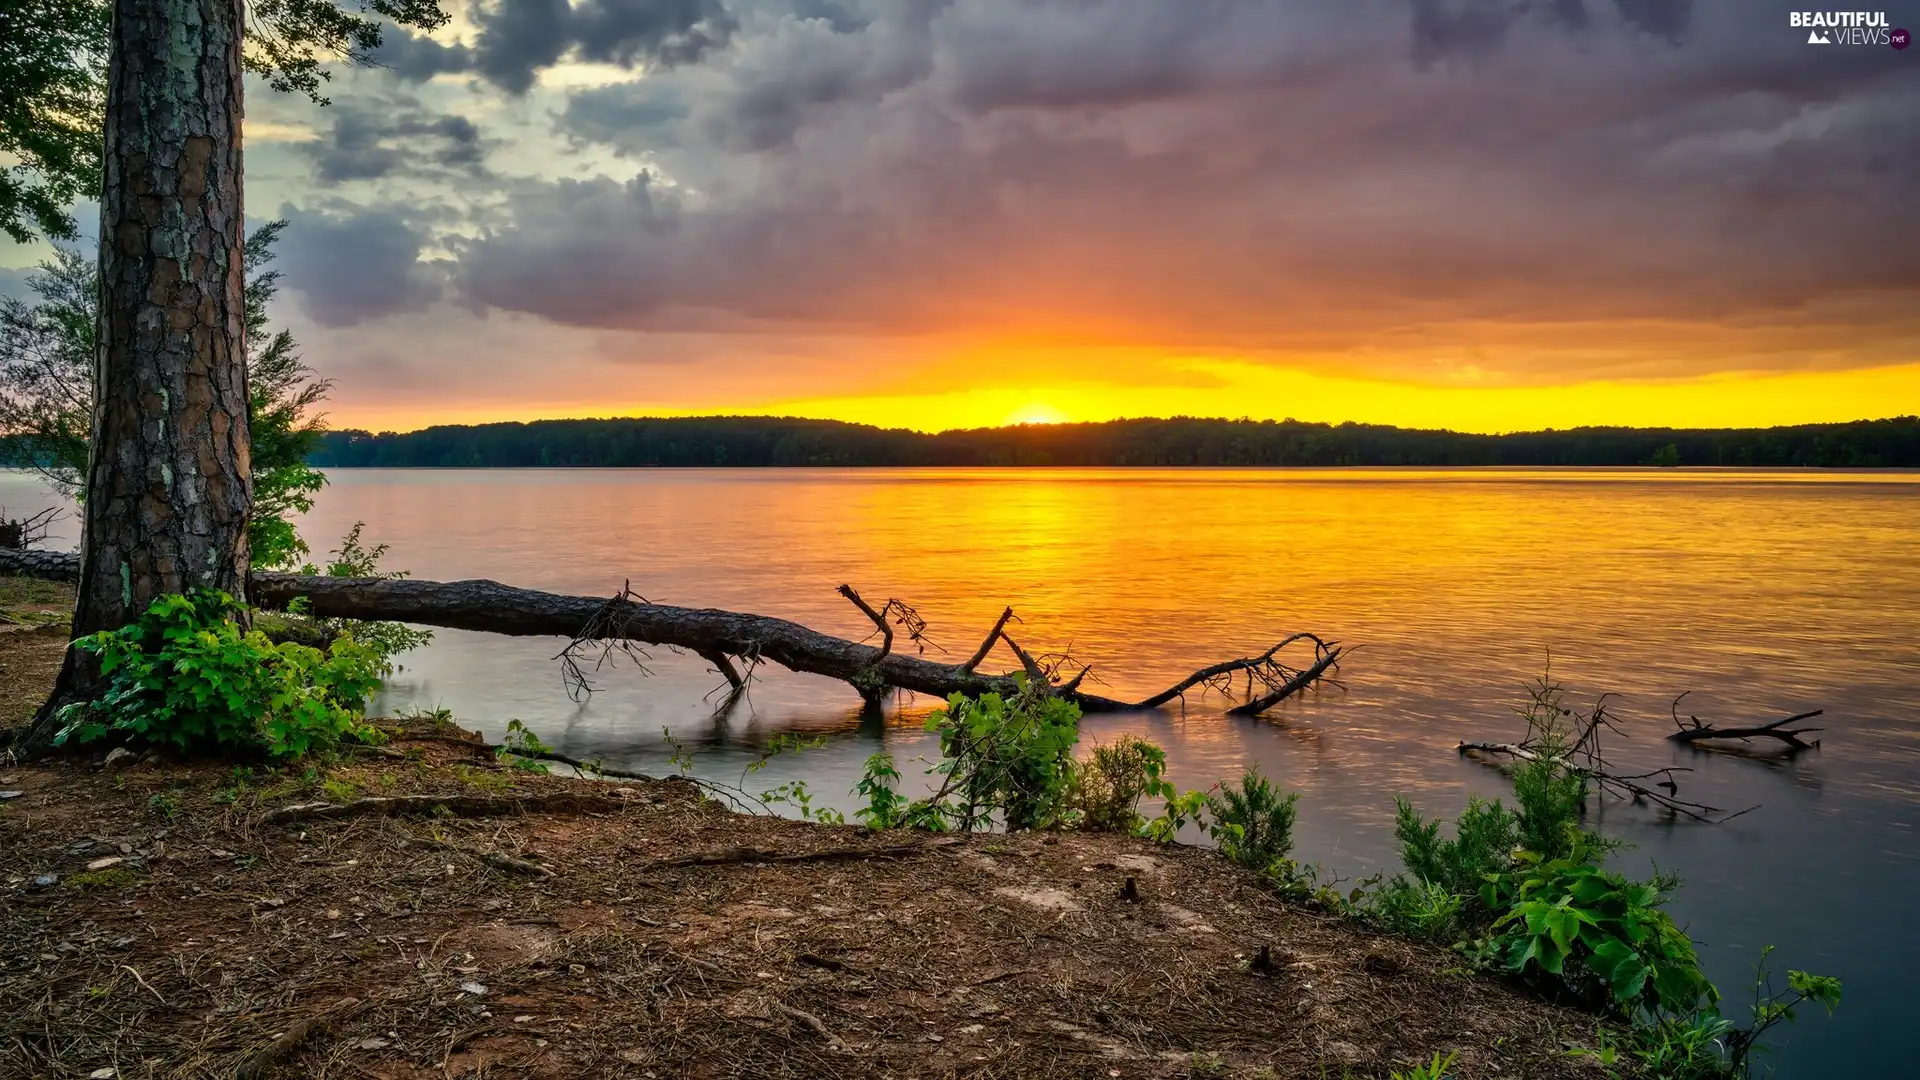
{"points": [[1695, 730], [1582, 756], [18, 534]]}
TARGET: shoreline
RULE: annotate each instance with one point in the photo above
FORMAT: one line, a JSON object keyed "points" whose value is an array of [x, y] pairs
{"points": [[537, 925]]}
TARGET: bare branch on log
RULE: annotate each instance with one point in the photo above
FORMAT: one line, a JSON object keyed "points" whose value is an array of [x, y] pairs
{"points": [[1034, 671], [606, 631], [993, 635], [629, 622], [886, 632], [1694, 730], [726, 669]]}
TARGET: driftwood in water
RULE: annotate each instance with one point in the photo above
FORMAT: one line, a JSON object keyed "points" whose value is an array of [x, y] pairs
{"points": [[1578, 753], [1694, 730], [725, 637]]}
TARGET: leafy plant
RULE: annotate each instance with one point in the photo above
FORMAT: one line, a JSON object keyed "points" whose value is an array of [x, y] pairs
{"points": [[1771, 1008], [1010, 758], [521, 748], [1703, 1045], [1601, 935], [1252, 823], [1439, 895], [184, 674], [1175, 814], [354, 559], [886, 808], [1436, 1069], [1420, 908], [1105, 790]]}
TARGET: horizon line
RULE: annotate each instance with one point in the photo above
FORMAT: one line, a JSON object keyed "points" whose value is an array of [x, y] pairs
{"points": [[1065, 424]]}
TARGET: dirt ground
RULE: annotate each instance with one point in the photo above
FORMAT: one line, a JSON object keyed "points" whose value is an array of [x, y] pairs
{"points": [[167, 920]]}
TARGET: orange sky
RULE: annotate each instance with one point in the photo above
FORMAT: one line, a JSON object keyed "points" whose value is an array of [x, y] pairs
{"points": [[1239, 389]]}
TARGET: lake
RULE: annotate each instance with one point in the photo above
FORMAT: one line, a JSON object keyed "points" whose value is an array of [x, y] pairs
{"points": [[1762, 593]]}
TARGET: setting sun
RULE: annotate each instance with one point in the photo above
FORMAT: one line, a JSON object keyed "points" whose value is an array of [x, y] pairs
{"points": [[1036, 412]]}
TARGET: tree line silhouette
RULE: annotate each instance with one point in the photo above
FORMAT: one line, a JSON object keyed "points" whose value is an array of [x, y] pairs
{"points": [[749, 441]]}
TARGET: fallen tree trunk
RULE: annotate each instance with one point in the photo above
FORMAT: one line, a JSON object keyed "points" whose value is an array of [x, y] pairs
{"points": [[587, 621]]}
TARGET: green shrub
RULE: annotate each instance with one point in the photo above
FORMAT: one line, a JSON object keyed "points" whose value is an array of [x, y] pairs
{"points": [[1701, 1044], [1602, 936], [1485, 836], [1105, 790], [1549, 789], [1421, 908], [1010, 758], [185, 675], [1252, 823]]}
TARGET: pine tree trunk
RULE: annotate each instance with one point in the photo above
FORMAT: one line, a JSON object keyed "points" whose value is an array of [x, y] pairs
{"points": [[168, 484]]}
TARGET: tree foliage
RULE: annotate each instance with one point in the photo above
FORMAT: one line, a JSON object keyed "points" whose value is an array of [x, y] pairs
{"points": [[53, 80], [46, 392], [53, 92]]}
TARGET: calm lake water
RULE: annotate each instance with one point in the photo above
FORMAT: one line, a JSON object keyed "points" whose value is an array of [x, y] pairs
{"points": [[1763, 593]]}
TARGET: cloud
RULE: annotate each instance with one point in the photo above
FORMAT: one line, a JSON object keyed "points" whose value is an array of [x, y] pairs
{"points": [[416, 58], [355, 265], [519, 38], [372, 139], [1441, 188]]}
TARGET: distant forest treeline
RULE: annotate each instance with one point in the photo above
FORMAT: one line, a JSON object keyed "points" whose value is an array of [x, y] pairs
{"points": [[768, 441]]}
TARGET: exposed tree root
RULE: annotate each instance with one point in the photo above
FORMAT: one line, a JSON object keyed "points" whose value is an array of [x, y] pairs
{"points": [[296, 1036], [457, 805], [732, 856]]}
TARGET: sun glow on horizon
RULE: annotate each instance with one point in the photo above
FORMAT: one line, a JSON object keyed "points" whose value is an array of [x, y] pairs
{"points": [[1036, 412], [1241, 390]]}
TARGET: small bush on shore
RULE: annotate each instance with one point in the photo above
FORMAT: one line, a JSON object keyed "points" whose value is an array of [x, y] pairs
{"points": [[185, 675], [1253, 821], [1105, 790], [1008, 759]]}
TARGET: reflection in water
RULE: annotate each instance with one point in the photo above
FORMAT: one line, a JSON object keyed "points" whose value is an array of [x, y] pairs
{"points": [[1764, 593]]}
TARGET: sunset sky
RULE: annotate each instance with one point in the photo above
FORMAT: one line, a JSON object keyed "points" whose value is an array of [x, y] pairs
{"points": [[1480, 214]]}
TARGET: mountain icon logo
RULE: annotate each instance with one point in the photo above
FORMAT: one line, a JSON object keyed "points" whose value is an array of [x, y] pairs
{"points": [[1818, 37]]}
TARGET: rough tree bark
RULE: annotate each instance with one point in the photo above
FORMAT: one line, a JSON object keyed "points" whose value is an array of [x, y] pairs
{"points": [[168, 485], [718, 635]]}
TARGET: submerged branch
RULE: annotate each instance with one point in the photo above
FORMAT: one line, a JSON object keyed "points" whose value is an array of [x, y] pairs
{"points": [[1694, 730]]}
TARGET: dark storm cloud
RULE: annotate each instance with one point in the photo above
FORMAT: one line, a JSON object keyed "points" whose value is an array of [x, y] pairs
{"points": [[518, 38], [1232, 172], [1472, 28], [416, 58], [349, 267], [371, 139]]}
